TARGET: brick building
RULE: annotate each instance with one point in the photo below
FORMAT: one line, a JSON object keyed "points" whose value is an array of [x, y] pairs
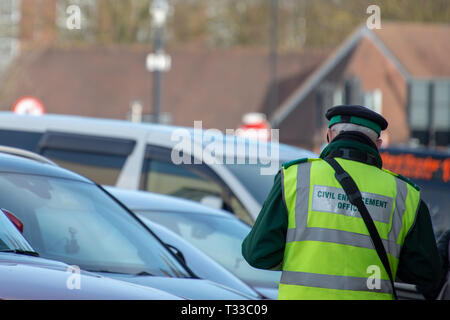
{"points": [[216, 86], [401, 71]]}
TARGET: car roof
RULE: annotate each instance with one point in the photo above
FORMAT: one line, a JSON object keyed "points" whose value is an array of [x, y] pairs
{"points": [[16, 164], [144, 200], [123, 127], [80, 122]]}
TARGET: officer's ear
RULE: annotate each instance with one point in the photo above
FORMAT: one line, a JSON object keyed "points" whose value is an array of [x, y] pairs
{"points": [[378, 143], [328, 135]]}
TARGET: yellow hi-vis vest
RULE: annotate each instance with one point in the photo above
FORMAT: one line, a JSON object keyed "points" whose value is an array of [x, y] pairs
{"points": [[329, 253]]}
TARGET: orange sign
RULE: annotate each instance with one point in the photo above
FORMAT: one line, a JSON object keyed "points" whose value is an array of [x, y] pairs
{"points": [[417, 167]]}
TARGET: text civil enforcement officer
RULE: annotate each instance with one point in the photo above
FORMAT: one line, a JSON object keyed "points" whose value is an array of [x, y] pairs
{"points": [[309, 230]]}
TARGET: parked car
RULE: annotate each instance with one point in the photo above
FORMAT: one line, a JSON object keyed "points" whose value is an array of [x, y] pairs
{"points": [[24, 275], [139, 157], [200, 263], [68, 218], [215, 232]]}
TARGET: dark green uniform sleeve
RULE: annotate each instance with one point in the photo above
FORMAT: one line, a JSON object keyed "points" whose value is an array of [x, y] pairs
{"points": [[420, 262], [263, 247]]}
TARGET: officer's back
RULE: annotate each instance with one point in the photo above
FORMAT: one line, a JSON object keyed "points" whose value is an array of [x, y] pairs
{"points": [[310, 230]]}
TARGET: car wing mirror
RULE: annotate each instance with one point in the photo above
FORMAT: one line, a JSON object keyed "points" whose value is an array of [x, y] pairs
{"points": [[16, 221]]}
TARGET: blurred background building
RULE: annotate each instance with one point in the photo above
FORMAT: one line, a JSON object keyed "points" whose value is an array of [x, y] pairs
{"points": [[288, 59], [401, 71], [9, 32]]}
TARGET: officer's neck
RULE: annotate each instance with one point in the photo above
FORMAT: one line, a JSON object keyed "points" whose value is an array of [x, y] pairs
{"points": [[356, 141], [355, 136]]}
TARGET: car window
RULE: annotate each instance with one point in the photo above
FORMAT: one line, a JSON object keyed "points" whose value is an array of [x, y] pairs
{"points": [[250, 176], [101, 168], [20, 139], [220, 238], [253, 177], [78, 223], [168, 178], [193, 182], [99, 158]]}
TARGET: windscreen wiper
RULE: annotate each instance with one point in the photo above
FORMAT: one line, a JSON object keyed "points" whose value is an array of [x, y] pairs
{"points": [[141, 273], [24, 252], [104, 271]]}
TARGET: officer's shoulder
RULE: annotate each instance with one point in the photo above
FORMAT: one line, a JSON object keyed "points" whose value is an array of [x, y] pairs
{"points": [[287, 164], [403, 178]]}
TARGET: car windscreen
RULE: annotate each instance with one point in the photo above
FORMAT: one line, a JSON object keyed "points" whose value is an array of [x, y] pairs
{"points": [[10, 237], [253, 179], [258, 163], [220, 238], [78, 223]]}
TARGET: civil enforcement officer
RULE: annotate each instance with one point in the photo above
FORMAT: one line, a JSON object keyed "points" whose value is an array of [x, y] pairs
{"points": [[308, 229]]}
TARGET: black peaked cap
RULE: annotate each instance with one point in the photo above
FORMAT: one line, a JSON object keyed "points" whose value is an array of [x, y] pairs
{"points": [[357, 111]]}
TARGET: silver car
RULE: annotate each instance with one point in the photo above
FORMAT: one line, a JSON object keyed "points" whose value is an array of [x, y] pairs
{"points": [[215, 232], [69, 218], [25, 275]]}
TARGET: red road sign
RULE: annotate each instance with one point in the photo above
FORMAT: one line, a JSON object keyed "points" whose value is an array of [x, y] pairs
{"points": [[254, 126], [29, 105]]}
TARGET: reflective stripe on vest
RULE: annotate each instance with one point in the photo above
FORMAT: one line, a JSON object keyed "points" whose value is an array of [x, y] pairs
{"points": [[331, 281], [304, 240]]}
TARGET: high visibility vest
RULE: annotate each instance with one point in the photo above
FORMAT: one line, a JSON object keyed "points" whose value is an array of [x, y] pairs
{"points": [[329, 253]]}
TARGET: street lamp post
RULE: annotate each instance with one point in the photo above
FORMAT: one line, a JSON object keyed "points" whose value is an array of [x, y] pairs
{"points": [[273, 101], [158, 10]]}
